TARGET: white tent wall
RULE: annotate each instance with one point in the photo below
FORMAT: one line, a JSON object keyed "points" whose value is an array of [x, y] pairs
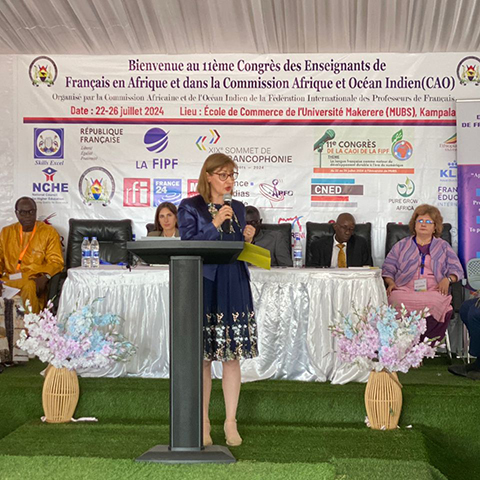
{"points": [[8, 138]]}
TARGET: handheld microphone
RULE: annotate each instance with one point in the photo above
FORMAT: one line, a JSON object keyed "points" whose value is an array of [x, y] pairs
{"points": [[327, 136], [227, 200]]}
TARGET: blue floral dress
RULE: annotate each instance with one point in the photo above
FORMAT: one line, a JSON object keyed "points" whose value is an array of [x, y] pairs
{"points": [[229, 326]]}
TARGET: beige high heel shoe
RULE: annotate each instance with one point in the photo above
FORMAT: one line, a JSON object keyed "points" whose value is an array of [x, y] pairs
{"points": [[232, 436], [207, 439]]}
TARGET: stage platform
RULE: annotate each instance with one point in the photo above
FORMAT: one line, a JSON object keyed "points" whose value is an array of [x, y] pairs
{"points": [[290, 430]]}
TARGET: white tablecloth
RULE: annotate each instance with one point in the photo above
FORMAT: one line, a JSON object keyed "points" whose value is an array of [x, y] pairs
{"points": [[293, 308]]}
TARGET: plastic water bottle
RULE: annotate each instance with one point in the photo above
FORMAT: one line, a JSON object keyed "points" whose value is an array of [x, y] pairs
{"points": [[95, 248], [297, 252], [86, 253]]}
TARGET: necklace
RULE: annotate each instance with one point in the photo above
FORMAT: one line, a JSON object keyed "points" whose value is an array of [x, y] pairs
{"points": [[214, 212], [423, 243]]}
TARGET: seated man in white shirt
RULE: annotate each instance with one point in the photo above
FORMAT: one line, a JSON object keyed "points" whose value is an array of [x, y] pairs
{"points": [[343, 249]]}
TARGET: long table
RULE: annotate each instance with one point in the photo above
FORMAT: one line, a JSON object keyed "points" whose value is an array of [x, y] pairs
{"points": [[293, 307]]}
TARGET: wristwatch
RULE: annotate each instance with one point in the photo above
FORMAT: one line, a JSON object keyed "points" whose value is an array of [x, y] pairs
{"points": [[48, 276], [450, 279]]}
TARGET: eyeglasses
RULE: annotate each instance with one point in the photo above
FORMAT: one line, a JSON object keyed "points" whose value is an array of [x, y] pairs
{"points": [[422, 221], [223, 176], [26, 213], [254, 223]]}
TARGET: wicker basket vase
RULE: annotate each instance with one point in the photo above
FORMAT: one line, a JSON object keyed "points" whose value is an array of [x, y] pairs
{"points": [[383, 400], [60, 394]]}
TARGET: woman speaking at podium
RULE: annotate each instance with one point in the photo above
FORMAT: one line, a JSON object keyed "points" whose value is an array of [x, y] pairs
{"points": [[229, 327]]}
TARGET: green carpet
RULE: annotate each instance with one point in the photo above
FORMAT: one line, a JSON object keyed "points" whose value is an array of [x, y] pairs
{"points": [[290, 430]]}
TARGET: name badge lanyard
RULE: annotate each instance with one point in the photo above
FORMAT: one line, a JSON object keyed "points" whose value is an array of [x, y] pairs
{"points": [[22, 253], [422, 259], [422, 263]]}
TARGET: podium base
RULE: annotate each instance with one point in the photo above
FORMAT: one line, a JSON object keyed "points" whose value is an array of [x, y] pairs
{"points": [[210, 454]]}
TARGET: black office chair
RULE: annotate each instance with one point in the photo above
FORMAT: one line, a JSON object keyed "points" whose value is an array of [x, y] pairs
{"points": [[285, 230], [326, 229], [112, 235], [397, 231]]}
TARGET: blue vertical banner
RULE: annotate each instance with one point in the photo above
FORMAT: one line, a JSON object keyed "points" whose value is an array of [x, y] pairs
{"points": [[468, 159]]}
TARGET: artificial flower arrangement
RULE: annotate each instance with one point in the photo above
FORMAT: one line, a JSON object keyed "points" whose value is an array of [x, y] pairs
{"points": [[382, 338], [83, 339]]}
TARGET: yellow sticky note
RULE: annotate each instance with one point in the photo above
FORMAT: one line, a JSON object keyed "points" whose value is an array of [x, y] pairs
{"points": [[256, 255]]}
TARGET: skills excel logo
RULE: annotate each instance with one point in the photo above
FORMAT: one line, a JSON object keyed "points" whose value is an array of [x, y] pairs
{"points": [[48, 143]]}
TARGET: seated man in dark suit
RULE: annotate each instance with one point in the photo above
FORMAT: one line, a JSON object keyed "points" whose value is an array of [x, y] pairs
{"points": [[344, 249], [269, 239]]}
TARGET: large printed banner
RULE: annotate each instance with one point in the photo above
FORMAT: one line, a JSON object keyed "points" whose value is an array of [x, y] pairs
{"points": [[468, 128], [313, 135]]}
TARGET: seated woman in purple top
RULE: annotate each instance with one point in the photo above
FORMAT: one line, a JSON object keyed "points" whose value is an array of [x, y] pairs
{"points": [[419, 270]]}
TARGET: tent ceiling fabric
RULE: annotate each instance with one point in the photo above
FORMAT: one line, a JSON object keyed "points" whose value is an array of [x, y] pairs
{"points": [[109, 27]]}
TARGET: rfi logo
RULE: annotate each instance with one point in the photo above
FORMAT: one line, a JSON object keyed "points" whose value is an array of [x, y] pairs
{"points": [[136, 192]]}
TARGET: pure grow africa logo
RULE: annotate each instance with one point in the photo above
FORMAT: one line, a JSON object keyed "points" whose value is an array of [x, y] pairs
{"points": [[401, 149], [406, 189], [156, 140]]}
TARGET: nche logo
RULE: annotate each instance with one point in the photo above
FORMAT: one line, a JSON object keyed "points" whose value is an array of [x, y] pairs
{"points": [[49, 186]]}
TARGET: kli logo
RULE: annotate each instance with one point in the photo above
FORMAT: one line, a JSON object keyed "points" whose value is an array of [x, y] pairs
{"points": [[401, 149], [49, 186], [48, 143], [272, 193], [43, 70], [406, 189], [192, 187], [468, 71], [156, 140], [96, 185], [213, 141], [450, 172], [136, 192], [167, 190]]}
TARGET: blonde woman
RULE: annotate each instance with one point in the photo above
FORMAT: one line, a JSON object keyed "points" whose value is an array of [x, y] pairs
{"points": [[229, 328]]}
